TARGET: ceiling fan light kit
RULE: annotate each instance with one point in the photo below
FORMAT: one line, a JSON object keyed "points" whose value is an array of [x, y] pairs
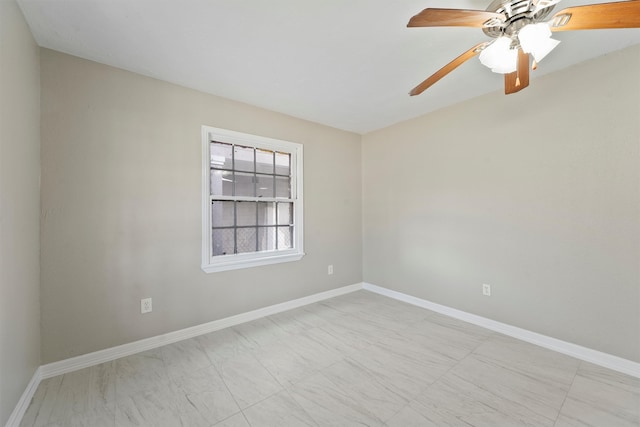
{"points": [[499, 56], [536, 40], [521, 30]]}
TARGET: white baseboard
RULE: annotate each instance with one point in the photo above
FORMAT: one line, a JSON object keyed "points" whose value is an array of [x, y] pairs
{"points": [[106, 355], [583, 353], [18, 412]]}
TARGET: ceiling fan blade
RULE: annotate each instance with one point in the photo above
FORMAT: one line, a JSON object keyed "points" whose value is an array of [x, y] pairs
{"points": [[519, 79], [448, 68], [624, 14], [433, 17]]}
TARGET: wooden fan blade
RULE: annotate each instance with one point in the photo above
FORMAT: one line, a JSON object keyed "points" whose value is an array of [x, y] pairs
{"points": [[433, 17], [519, 79], [448, 68], [624, 14]]}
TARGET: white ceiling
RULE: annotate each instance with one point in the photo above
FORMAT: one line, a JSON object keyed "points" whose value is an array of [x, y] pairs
{"points": [[346, 64]]}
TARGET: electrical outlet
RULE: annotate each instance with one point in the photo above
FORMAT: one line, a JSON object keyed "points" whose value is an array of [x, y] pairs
{"points": [[486, 290], [145, 305], [330, 269]]}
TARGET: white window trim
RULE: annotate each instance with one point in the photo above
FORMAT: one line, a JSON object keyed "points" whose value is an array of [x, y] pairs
{"points": [[211, 264]]}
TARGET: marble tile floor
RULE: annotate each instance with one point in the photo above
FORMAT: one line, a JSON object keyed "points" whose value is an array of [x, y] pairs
{"points": [[360, 359]]}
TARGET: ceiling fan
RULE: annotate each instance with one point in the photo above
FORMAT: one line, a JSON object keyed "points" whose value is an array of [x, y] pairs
{"points": [[521, 30]]}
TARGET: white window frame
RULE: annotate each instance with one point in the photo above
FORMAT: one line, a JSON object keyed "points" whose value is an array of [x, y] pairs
{"points": [[210, 263]]}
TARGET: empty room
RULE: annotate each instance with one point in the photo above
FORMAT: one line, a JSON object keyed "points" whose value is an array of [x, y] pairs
{"points": [[367, 213]]}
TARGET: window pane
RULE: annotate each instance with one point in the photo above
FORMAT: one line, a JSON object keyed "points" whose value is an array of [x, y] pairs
{"points": [[285, 213], [284, 237], [221, 183], [266, 238], [283, 187], [243, 158], [246, 213], [220, 155], [265, 186], [245, 185], [266, 213], [246, 240], [222, 241], [283, 164], [264, 161], [222, 213], [254, 203]]}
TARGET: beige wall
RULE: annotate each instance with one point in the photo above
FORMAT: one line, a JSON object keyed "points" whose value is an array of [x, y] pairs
{"points": [[537, 194], [121, 205], [19, 207]]}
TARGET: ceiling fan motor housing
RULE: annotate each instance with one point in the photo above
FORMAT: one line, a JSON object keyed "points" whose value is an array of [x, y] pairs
{"points": [[517, 13]]}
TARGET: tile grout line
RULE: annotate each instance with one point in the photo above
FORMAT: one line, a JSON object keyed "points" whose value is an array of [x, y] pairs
{"points": [[564, 401], [422, 390], [226, 386]]}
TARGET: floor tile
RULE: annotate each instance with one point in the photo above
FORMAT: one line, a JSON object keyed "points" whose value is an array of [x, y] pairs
{"points": [[401, 368], [104, 417], [261, 332], [452, 401], [279, 410], [394, 310], [297, 320], [365, 389], [248, 380], [333, 340], [323, 311], [350, 303], [157, 406], [450, 323], [44, 398], [184, 357], [237, 420], [369, 322], [450, 337], [223, 345], [140, 372], [330, 405], [86, 394], [348, 340], [607, 376], [594, 400], [317, 351], [409, 417], [512, 385], [207, 394], [284, 363], [528, 359]]}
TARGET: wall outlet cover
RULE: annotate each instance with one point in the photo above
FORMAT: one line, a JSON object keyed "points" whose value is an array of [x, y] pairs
{"points": [[146, 305], [486, 290]]}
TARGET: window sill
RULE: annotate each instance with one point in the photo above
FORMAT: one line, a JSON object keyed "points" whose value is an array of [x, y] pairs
{"points": [[232, 263]]}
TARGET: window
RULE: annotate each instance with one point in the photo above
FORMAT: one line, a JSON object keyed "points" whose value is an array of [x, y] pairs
{"points": [[251, 201]]}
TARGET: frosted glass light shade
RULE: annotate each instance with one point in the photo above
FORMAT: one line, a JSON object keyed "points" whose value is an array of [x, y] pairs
{"points": [[536, 40], [499, 56]]}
